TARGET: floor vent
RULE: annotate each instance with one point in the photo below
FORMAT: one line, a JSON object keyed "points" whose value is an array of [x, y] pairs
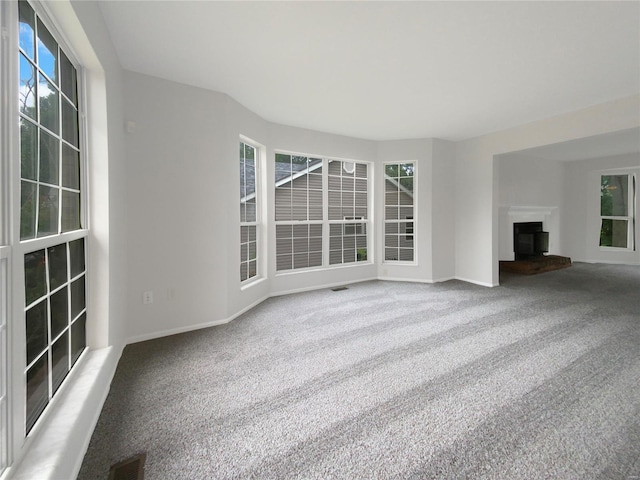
{"points": [[130, 469], [338, 289]]}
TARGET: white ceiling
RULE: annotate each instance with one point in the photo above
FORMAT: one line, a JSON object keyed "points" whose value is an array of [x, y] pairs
{"points": [[389, 70]]}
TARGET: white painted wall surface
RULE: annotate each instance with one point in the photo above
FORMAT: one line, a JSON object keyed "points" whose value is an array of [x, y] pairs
{"points": [[535, 187], [474, 230], [443, 210], [527, 180], [180, 195], [582, 199]]}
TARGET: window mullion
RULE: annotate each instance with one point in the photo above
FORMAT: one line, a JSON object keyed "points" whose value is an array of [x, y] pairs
{"points": [[325, 212]]}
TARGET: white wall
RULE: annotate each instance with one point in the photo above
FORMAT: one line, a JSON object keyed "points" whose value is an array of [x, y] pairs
{"points": [[529, 189], [526, 180], [477, 177], [582, 198], [179, 200], [443, 210]]}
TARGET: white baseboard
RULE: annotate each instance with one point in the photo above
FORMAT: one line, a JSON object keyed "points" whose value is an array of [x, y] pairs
{"points": [[443, 279], [321, 287], [475, 282], [197, 326], [607, 262]]}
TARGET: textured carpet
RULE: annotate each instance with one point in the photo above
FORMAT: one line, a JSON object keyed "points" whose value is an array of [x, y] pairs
{"points": [[537, 378]]}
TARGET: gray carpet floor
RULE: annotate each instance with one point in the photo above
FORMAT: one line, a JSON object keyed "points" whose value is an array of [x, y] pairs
{"points": [[535, 379]]}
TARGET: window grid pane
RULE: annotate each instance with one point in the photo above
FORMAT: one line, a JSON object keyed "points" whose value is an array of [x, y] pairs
{"points": [[48, 101], [298, 245], [55, 301], [399, 212]]}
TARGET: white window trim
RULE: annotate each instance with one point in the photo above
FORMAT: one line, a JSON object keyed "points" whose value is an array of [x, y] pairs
{"points": [[260, 155], [631, 218], [13, 441], [413, 218], [325, 222]]}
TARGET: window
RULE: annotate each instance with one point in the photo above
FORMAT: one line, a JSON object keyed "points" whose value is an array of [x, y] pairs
{"points": [[399, 212], [55, 320], [347, 211], [248, 212], [617, 193], [299, 211], [51, 211], [321, 211], [49, 135]]}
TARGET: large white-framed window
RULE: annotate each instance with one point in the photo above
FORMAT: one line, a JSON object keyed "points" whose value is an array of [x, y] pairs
{"points": [[249, 210], [399, 215], [50, 235], [617, 211], [321, 211], [43, 221]]}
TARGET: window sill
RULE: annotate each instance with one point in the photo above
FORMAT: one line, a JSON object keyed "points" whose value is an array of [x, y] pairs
{"points": [[56, 449], [247, 284], [616, 249]]}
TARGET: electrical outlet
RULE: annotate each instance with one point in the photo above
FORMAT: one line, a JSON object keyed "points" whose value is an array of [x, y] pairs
{"points": [[147, 297]]}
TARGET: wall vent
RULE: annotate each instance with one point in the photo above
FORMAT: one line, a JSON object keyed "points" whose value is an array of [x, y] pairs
{"points": [[130, 469], [338, 289]]}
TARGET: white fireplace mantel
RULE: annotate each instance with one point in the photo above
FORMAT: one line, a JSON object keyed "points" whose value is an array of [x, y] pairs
{"points": [[510, 214]]}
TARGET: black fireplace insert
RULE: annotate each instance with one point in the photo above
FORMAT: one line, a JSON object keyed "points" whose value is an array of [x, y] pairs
{"points": [[529, 241]]}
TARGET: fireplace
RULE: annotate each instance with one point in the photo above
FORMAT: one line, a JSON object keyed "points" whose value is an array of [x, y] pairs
{"points": [[529, 240]]}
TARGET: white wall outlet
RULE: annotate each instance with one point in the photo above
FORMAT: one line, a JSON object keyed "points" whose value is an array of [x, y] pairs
{"points": [[147, 297]]}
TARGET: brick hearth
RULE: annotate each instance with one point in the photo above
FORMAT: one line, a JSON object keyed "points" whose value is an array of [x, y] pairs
{"points": [[534, 265]]}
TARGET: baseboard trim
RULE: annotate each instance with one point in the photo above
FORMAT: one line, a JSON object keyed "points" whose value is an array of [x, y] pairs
{"points": [[475, 282], [321, 287], [198, 326], [609, 262], [387, 278]]}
